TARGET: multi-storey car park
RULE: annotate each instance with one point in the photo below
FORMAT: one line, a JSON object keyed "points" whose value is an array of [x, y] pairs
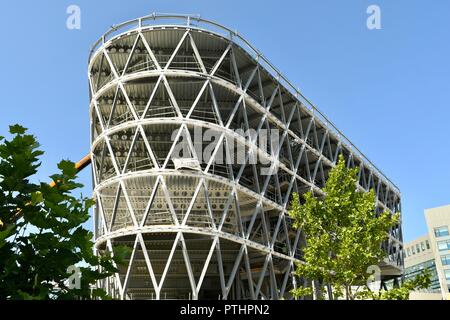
{"points": [[207, 229]]}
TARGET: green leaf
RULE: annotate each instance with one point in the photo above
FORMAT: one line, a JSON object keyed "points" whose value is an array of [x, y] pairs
{"points": [[17, 129], [6, 233], [67, 167], [121, 253], [36, 197]]}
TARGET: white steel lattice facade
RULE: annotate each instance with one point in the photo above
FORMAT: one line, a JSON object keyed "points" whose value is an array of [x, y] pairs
{"points": [[219, 230]]}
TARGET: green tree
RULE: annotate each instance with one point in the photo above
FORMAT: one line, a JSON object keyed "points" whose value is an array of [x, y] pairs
{"points": [[343, 235], [41, 231], [421, 281]]}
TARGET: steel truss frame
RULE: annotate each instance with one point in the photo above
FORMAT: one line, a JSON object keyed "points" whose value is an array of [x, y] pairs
{"points": [[308, 148]]}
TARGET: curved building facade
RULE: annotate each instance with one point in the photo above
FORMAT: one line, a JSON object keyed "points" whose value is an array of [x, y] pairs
{"points": [[197, 143]]}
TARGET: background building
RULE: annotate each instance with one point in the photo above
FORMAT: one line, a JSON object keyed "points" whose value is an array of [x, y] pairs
{"points": [[420, 256], [207, 228], [432, 252], [438, 223]]}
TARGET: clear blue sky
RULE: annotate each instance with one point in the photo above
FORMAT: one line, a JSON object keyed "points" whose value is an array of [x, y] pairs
{"points": [[388, 90]]}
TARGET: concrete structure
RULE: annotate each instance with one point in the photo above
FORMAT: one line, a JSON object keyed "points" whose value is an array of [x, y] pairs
{"points": [[207, 227], [432, 252], [419, 256], [438, 223], [425, 296]]}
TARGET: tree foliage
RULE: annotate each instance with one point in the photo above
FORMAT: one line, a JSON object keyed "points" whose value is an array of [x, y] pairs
{"points": [[343, 232], [41, 229], [421, 281]]}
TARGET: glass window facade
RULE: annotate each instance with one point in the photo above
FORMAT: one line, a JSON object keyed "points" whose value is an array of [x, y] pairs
{"points": [[444, 245], [441, 231], [413, 271], [447, 274], [445, 260]]}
